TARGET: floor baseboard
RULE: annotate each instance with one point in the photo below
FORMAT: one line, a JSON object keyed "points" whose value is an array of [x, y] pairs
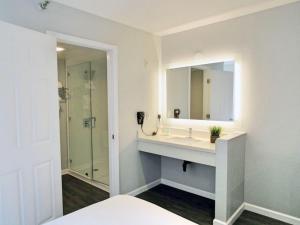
{"points": [[65, 171], [218, 222], [272, 214], [236, 215], [189, 189], [261, 211], [233, 218], [173, 184], [144, 188]]}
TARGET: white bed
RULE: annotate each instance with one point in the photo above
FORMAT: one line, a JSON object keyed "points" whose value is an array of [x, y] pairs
{"points": [[122, 210]]}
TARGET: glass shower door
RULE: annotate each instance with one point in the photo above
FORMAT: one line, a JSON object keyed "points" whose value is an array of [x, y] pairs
{"points": [[88, 120], [80, 119], [99, 102]]}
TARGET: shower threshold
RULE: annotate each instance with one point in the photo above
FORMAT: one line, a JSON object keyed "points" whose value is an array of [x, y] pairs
{"points": [[88, 180]]}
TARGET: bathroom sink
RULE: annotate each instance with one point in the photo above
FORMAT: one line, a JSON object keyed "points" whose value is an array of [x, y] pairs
{"points": [[185, 139]]}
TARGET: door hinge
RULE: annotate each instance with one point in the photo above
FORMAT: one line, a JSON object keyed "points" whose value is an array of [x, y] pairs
{"points": [[113, 137]]}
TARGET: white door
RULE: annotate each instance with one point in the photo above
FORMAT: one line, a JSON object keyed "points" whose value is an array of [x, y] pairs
{"points": [[30, 181]]}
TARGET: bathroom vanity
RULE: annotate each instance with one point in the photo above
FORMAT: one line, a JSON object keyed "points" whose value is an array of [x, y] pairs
{"points": [[227, 155]]}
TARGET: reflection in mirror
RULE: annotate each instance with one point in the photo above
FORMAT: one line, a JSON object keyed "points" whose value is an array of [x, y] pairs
{"points": [[203, 92]]}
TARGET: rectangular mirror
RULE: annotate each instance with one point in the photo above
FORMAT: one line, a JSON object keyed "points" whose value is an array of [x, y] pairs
{"points": [[203, 92]]}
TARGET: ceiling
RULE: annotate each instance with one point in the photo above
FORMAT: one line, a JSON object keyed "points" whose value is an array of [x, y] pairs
{"points": [[164, 17]]}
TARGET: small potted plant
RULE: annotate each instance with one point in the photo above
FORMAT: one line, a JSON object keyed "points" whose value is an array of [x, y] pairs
{"points": [[215, 133]]}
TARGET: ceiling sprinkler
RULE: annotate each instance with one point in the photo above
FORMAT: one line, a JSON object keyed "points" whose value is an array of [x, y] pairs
{"points": [[44, 4]]}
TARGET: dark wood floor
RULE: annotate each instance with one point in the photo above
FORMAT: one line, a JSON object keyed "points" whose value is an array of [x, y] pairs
{"points": [[250, 218], [78, 194], [195, 208]]}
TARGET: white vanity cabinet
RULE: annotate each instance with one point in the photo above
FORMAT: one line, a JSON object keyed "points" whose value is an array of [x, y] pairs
{"points": [[227, 156]]}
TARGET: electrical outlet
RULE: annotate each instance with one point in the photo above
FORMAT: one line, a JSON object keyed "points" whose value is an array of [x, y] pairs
{"points": [[140, 116]]}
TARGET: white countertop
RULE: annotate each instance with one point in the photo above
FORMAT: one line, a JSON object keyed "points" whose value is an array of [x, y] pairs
{"points": [[197, 150], [198, 144]]}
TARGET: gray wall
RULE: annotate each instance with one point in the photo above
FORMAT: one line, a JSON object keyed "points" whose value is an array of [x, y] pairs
{"points": [[197, 175], [267, 47], [138, 66]]}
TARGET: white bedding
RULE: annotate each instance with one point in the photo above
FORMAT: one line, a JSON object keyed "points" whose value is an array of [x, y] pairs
{"points": [[122, 210]]}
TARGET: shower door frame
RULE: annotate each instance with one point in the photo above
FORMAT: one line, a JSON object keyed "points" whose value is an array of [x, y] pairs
{"points": [[112, 94]]}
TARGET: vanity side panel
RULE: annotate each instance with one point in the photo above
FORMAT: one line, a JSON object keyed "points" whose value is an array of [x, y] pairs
{"points": [[235, 174], [221, 180]]}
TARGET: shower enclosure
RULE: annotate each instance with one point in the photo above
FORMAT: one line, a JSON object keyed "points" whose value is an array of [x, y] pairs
{"points": [[88, 120]]}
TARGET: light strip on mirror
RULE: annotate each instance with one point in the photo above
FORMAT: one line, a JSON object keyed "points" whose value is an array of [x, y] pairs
{"points": [[201, 123]]}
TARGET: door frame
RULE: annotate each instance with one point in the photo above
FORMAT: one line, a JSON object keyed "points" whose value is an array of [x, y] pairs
{"points": [[112, 92]]}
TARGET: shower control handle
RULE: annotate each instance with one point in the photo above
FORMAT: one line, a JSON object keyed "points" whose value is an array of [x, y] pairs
{"points": [[89, 122], [93, 122]]}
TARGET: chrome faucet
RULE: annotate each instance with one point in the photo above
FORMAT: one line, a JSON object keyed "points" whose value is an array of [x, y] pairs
{"points": [[190, 132]]}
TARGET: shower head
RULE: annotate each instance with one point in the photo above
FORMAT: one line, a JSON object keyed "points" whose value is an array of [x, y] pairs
{"points": [[44, 4]]}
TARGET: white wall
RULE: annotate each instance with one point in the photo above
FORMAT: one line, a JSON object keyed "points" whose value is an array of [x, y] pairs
{"points": [[138, 69], [266, 46]]}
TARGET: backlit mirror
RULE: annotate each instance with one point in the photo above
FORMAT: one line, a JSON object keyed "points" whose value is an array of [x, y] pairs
{"points": [[203, 92]]}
